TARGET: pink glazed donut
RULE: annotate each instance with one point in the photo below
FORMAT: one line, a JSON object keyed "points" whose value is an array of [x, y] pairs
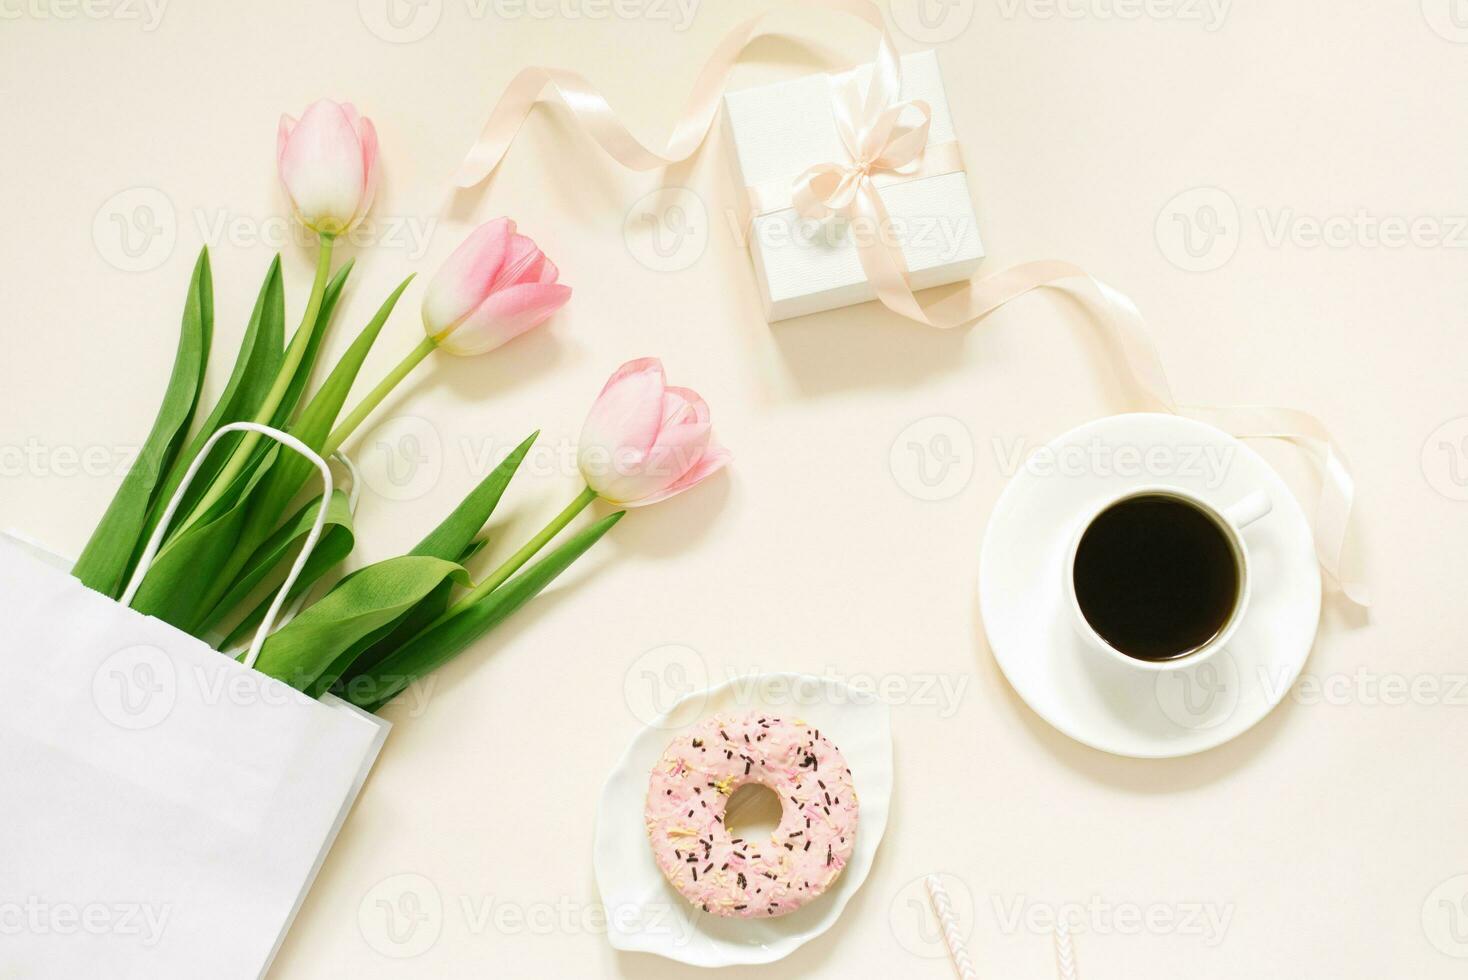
{"points": [[739, 878]]}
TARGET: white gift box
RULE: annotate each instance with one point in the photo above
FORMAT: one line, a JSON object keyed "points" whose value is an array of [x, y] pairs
{"points": [[806, 266], [165, 807]]}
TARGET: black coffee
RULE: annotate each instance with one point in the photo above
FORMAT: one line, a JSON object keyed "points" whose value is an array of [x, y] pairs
{"points": [[1156, 577]]}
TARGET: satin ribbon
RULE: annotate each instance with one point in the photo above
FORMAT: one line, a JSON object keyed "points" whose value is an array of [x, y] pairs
{"points": [[595, 116], [778, 195], [1126, 334], [886, 140]]}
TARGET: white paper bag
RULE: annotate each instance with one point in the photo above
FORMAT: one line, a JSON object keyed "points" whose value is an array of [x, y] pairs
{"points": [[164, 808]]}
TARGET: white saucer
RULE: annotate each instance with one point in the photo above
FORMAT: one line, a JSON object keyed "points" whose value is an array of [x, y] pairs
{"points": [[645, 914], [1108, 705]]}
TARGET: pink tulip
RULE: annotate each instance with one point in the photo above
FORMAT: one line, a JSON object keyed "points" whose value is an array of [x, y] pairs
{"points": [[495, 286], [645, 441], [328, 163]]}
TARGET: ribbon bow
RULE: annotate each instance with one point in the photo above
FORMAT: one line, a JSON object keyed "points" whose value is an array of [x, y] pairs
{"points": [[876, 140]]}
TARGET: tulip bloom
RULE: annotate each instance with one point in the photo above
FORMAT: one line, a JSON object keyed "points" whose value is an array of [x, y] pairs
{"points": [[644, 441], [496, 286], [328, 163]]}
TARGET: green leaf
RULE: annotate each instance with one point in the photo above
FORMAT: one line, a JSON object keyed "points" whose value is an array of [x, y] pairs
{"points": [[474, 547], [419, 617], [348, 658], [185, 570], [337, 539], [452, 539], [318, 417], [108, 556], [459, 528], [261, 352], [297, 386], [439, 644], [371, 650], [291, 470], [290, 474], [371, 599]]}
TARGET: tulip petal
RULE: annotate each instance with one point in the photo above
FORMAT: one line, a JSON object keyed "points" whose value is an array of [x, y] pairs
{"points": [[465, 279], [641, 365], [682, 405], [549, 272], [522, 263], [678, 449], [623, 423], [367, 136], [503, 316], [354, 118], [715, 459], [283, 136]]}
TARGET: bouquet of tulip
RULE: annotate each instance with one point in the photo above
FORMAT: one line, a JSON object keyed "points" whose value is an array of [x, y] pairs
{"points": [[241, 519]]}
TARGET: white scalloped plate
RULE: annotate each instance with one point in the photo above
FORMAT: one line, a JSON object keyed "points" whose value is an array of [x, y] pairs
{"points": [[645, 914]]}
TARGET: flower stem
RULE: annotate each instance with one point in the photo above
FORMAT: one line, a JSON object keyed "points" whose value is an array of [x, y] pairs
{"points": [[519, 558], [374, 397], [293, 357]]}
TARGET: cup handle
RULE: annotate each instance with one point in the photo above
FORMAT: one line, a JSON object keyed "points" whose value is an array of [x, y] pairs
{"points": [[1249, 510]]}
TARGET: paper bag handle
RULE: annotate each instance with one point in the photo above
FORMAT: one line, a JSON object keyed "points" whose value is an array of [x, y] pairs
{"points": [[156, 541]]}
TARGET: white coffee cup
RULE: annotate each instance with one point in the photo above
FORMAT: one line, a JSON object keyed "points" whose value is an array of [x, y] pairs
{"points": [[1231, 522]]}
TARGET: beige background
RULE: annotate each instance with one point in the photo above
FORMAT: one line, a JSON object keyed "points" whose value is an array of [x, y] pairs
{"points": [[1330, 836]]}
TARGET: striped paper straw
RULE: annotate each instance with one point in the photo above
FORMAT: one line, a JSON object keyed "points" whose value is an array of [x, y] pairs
{"points": [[951, 935], [1065, 957]]}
